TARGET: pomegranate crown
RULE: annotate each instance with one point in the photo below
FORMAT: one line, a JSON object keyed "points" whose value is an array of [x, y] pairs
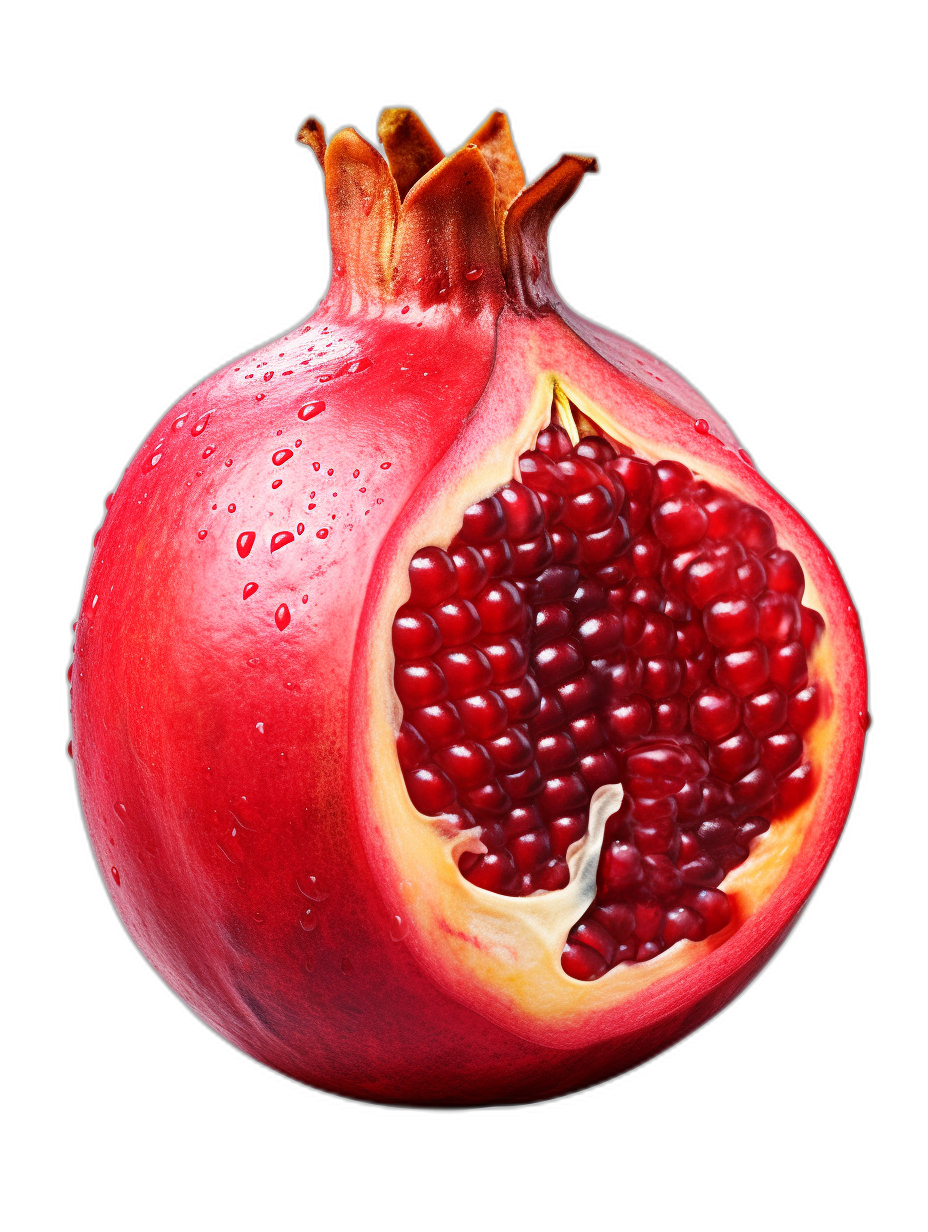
{"points": [[433, 229]]}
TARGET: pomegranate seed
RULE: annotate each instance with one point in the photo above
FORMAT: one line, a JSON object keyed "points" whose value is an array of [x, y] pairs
{"points": [[522, 511], [483, 523], [432, 577], [470, 569], [714, 713], [415, 634], [483, 715], [731, 624]]}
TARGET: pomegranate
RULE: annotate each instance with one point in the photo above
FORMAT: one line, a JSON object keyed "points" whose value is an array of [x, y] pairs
{"points": [[459, 717]]}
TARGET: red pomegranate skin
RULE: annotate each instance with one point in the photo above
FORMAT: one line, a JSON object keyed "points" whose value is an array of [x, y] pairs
{"points": [[232, 652]]}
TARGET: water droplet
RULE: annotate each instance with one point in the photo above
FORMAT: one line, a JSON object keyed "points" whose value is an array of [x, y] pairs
{"points": [[297, 444], [245, 542], [310, 410], [308, 920], [745, 456], [228, 461], [311, 505], [300, 528], [210, 449], [701, 426], [96, 599], [200, 425], [201, 534], [282, 617], [178, 423], [249, 590], [359, 365], [154, 460], [385, 466], [535, 269], [305, 599], [309, 887], [259, 917], [398, 928], [282, 456], [276, 483], [232, 509], [281, 539], [259, 397], [864, 718], [259, 727], [121, 812], [322, 534], [268, 376], [71, 750], [115, 871], [315, 466], [474, 274]]}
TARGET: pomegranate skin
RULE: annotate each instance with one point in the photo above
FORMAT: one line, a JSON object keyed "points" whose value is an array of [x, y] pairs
{"points": [[233, 709]]}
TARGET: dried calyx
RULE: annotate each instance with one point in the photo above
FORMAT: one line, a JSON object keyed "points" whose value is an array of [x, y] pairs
{"points": [[481, 223]]}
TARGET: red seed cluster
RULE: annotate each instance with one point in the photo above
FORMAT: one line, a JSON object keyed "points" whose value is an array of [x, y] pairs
{"points": [[608, 620]]}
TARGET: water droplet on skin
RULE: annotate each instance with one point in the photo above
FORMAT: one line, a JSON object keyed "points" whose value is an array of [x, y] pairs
{"points": [[305, 599], [322, 534], [300, 528], [259, 397], [249, 590], [282, 456], [228, 461], [282, 617], [745, 457], [70, 750], [404, 310], [245, 542], [154, 459], [268, 375], [259, 917], [281, 539], [210, 449], [473, 275], [702, 426], [309, 887], [231, 509], [297, 444], [398, 928], [201, 534], [308, 920], [310, 410], [276, 483], [385, 466], [115, 872], [121, 812], [200, 425], [259, 727], [178, 423], [864, 718], [96, 599]]}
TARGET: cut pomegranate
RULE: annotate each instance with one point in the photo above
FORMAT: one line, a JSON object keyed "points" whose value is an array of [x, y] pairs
{"points": [[472, 732]]}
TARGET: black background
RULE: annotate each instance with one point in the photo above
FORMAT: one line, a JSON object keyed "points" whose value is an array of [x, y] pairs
{"points": [[727, 232]]}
